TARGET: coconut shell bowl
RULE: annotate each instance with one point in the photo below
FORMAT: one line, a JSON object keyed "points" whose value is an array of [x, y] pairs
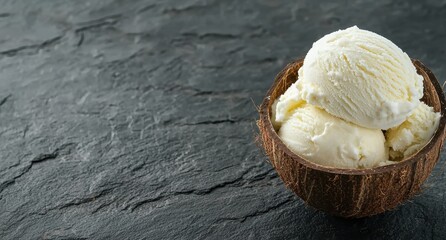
{"points": [[352, 193]]}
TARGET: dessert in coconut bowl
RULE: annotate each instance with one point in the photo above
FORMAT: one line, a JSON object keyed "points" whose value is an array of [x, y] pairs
{"points": [[356, 127]]}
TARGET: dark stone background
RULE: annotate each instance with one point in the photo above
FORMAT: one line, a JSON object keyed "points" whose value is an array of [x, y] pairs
{"points": [[136, 119]]}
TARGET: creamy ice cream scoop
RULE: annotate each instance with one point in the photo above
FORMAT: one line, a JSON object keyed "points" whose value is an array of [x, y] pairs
{"points": [[327, 140], [284, 106], [409, 137], [352, 85], [361, 77]]}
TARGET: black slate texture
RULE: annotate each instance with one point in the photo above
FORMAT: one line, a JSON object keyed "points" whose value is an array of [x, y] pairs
{"points": [[136, 119]]}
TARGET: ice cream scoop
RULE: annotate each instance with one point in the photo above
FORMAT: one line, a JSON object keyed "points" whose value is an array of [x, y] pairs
{"points": [[285, 105], [409, 137], [361, 77], [330, 141]]}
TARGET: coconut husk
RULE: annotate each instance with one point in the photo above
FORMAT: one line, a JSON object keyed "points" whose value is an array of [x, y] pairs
{"points": [[351, 193]]}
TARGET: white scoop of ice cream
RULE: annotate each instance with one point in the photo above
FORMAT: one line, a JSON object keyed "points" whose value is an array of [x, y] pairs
{"points": [[319, 137], [409, 137], [284, 106], [361, 77]]}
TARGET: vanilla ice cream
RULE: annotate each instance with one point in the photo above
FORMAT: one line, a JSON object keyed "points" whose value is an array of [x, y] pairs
{"points": [[284, 106], [361, 77], [353, 84], [327, 140], [414, 133]]}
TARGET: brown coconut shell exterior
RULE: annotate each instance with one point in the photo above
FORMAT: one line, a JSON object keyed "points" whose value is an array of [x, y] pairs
{"points": [[351, 193]]}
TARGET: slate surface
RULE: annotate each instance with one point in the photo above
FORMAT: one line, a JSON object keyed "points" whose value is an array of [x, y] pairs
{"points": [[136, 119]]}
